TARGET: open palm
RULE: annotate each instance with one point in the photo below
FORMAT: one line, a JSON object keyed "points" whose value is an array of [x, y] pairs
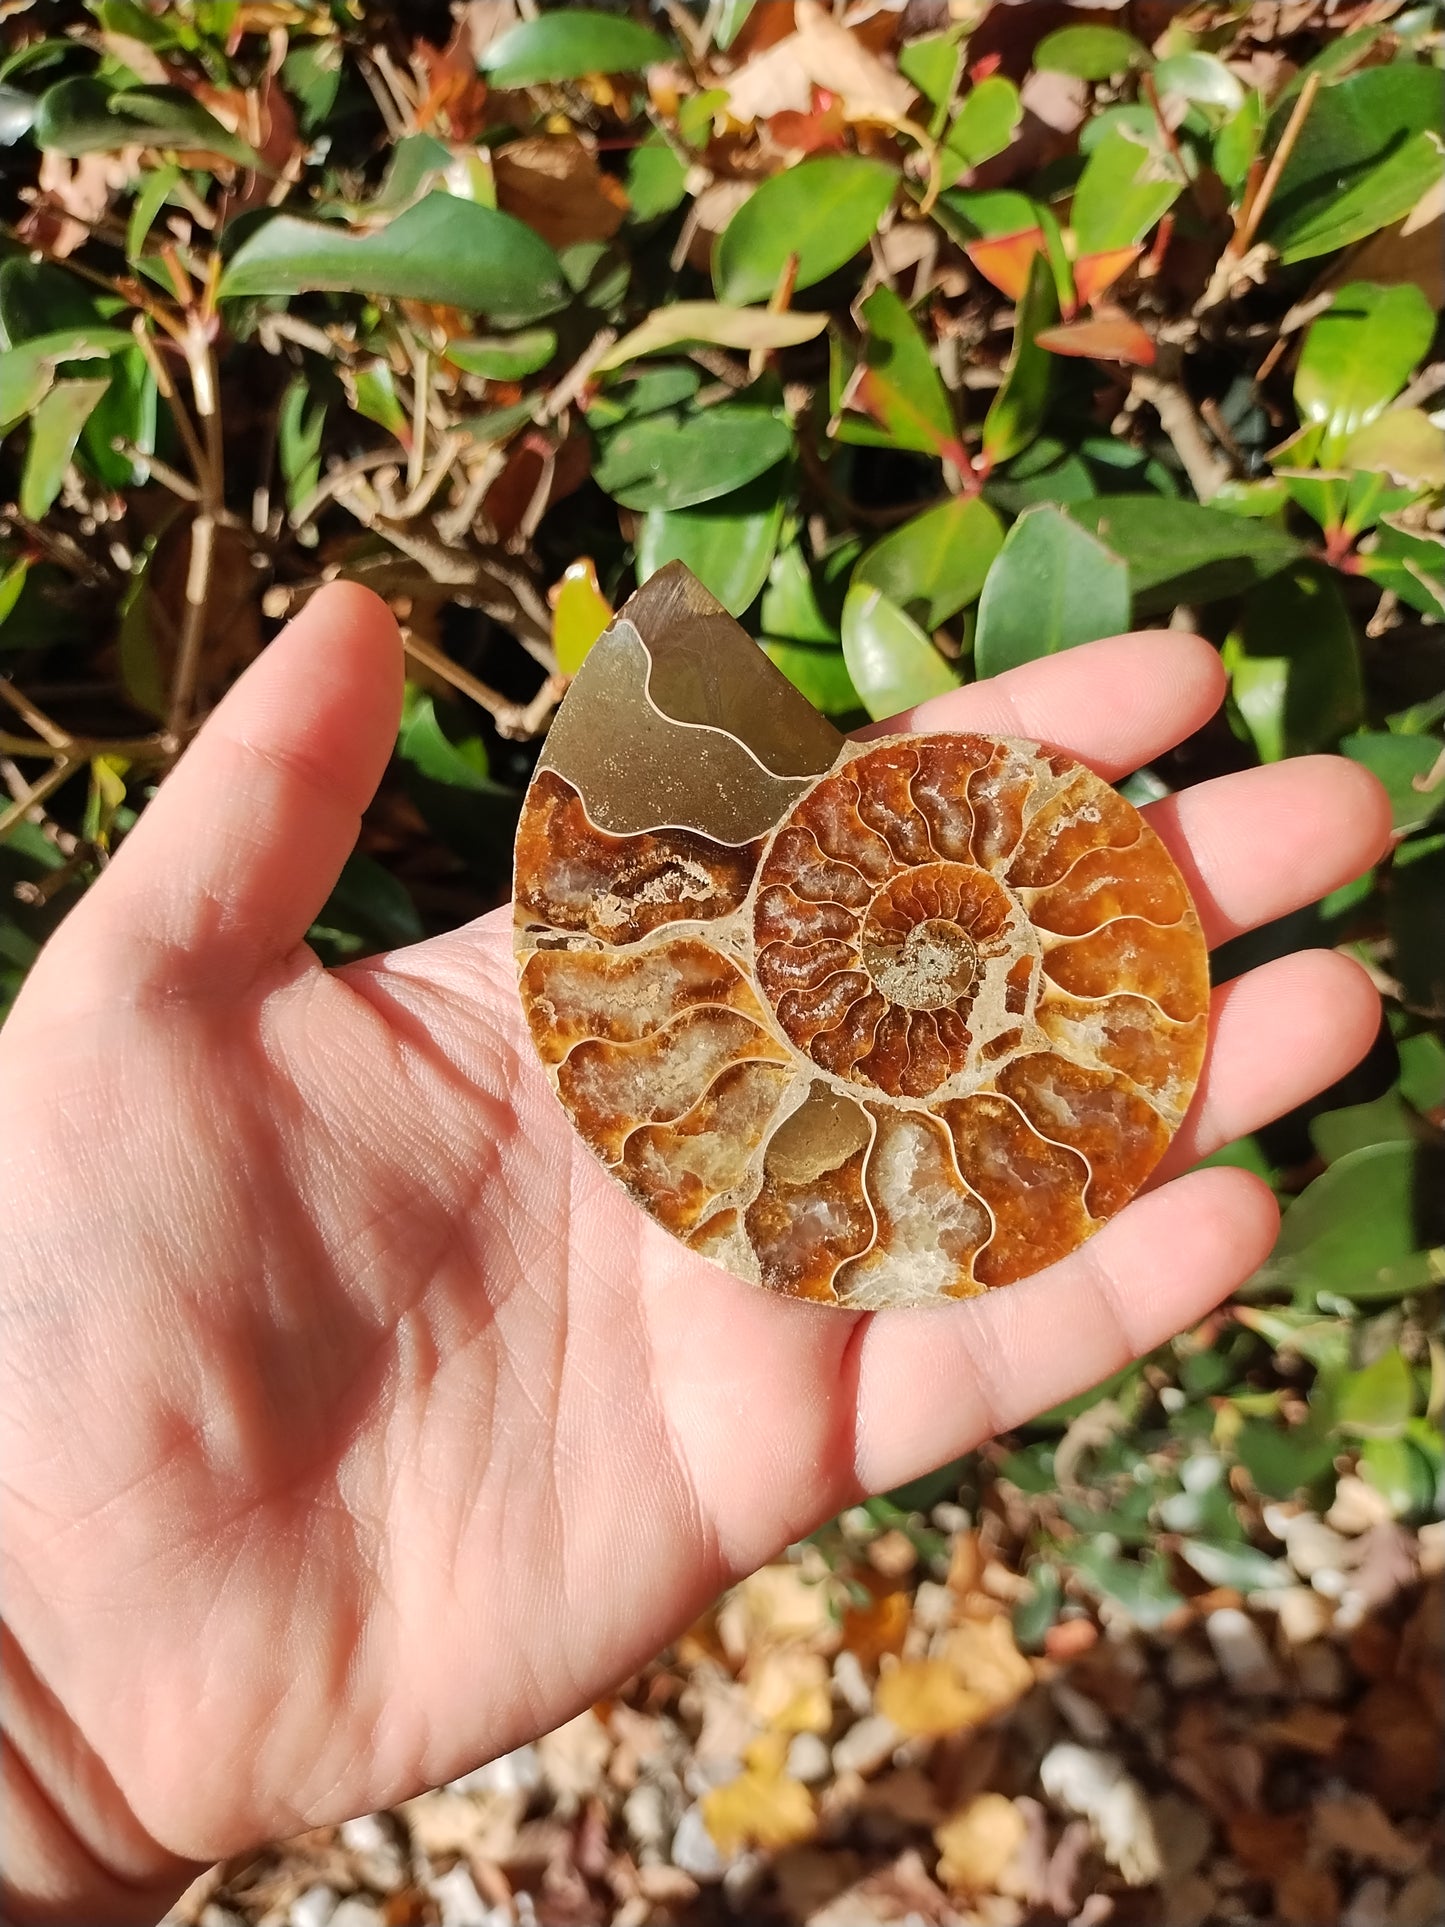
{"points": [[356, 1425]]}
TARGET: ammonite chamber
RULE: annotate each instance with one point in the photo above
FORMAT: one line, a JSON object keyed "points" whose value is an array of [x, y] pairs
{"points": [[872, 1023]]}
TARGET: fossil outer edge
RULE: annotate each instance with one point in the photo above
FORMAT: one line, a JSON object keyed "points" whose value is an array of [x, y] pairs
{"points": [[878, 1023]]}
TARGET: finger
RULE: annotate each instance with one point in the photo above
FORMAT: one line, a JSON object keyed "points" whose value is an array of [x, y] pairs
{"points": [[1114, 704], [932, 1384], [1258, 844], [243, 842], [1278, 1035]]}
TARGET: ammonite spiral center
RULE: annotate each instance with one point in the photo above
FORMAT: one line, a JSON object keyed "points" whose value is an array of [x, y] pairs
{"points": [[935, 965]]}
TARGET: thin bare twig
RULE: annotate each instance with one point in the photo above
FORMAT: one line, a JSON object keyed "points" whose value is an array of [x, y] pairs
{"points": [[1254, 209], [1206, 470], [36, 793], [518, 721]]}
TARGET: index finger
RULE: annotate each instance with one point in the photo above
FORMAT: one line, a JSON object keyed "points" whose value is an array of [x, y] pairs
{"points": [[1113, 704]]}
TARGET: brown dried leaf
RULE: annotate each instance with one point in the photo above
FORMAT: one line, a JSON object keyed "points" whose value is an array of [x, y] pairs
{"points": [[1305, 1896], [1308, 1729], [875, 1629], [788, 1690], [1265, 1842], [554, 184], [978, 1842], [773, 1607], [820, 53], [925, 1698], [763, 1807]]}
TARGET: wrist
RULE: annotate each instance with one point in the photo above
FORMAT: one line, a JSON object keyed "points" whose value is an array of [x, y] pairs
{"points": [[70, 1849]]}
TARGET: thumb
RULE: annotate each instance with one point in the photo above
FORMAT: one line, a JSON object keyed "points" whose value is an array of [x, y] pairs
{"points": [[243, 842]]}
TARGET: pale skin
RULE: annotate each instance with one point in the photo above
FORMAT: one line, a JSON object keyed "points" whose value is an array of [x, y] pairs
{"points": [[356, 1426]]}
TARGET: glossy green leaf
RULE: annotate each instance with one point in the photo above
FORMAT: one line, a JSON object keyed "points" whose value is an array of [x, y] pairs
{"points": [[823, 211], [663, 385], [372, 391], [569, 45], [27, 372], [1411, 562], [1422, 1070], [1090, 53], [718, 322], [1242, 1566], [1237, 143], [300, 425], [438, 749], [1201, 77], [1376, 1402], [1401, 1474], [728, 543], [1335, 1134], [1368, 149], [1357, 356], [1016, 413], [580, 613], [54, 431], [368, 910], [84, 116], [802, 604], [12, 581], [1053, 586], [898, 384], [442, 250], [674, 459], [817, 672], [1403, 444], [1294, 664], [891, 661], [972, 213], [17, 114], [1401, 763], [932, 64], [311, 75], [155, 191], [984, 125], [1363, 1229], [1124, 189], [1181, 551], [504, 357], [656, 177], [935, 564]]}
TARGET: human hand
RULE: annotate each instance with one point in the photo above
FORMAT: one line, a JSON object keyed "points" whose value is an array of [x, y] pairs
{"points": [[356, 1425]]}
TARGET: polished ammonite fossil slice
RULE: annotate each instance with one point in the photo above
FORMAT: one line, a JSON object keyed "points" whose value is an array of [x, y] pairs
{"points": [[874, 1023]]}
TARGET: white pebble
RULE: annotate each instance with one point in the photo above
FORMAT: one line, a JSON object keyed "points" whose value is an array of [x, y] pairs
{"points": [[314, 1908], [1244, 1658], [867, 1746], [455, 1893], [694, 1851], [1098, 1787], [808, 1758]]}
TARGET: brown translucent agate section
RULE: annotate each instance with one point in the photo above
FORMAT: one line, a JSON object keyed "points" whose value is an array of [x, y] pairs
{"points": [[869, 1024]]}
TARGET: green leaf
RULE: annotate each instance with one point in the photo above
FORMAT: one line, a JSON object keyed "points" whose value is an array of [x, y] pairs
{"points": [[663, 385], [368, 910], [1244, 1567], [1363, 1229], [806, 605], [728, 543], [569, 45], [1139, 1588], [300, 425], [1403, 444], [1053, 586], [656, 177], [1200, 77], [1400, 762], [155, 191], [1124, 189], [823, 211], [1016, 412], [1422, 1070], [935, 564], [1090, 53], [1284, 1461], [1411, 562], [1181, 551], [54, 430], [444, 250], [1357, 357], [715, 321], [27, 372], [674, 459], [932, 65], [580, 615], [1368, 149], [901, 388], [1376, 1402], [984, 126], [1417, 925], [311, 75], [1401, 1474], [84, 116], [504, 357], [1294, 663], [971, 214], [892, 663], [441, 753], [1237, 142], [818, 673], [1335, 1134]]}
